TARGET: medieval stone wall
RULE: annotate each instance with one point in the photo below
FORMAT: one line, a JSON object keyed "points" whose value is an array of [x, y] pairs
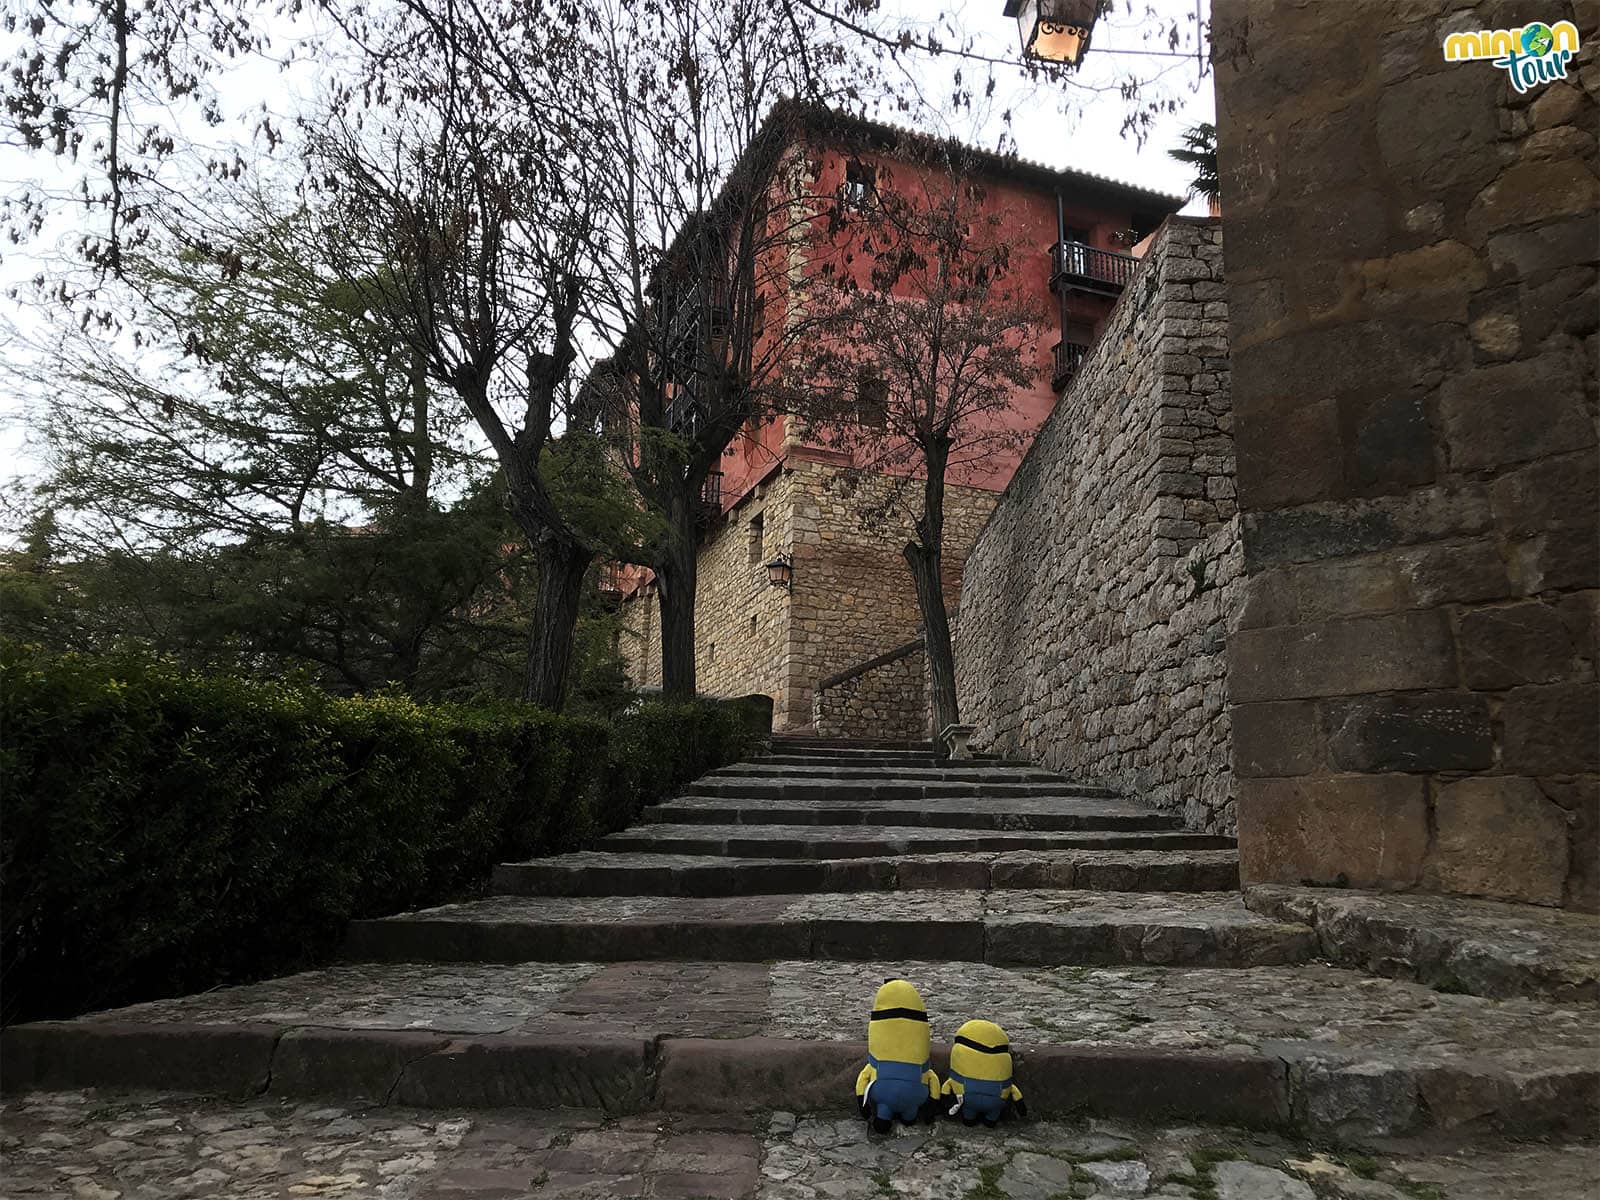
{"points": [[852, 600], [1412, 250], [889, 700], [1097, 601]]}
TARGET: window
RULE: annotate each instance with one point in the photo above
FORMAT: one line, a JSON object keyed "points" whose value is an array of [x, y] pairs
{"points": [[757, 539], [859, 186], [872, 401]]}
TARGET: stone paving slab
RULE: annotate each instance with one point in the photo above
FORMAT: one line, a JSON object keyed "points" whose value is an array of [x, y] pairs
{"points": [[940, 773], [1042, 927], [1317, 1047], [1485, 947], [1029, 812], [785, 787], [613, 873], [869, 841], [153, 1146]]}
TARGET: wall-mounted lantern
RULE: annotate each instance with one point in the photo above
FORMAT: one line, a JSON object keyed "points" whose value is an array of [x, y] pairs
{"points": [[780, 572], [1055, 30]]}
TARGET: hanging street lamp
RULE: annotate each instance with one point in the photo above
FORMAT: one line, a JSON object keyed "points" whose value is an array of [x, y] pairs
{"points": [[1055, 30]]}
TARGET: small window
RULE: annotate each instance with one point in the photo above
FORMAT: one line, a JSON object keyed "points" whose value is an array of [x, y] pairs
{"points": [[872, 401], [859, 186], [758, 544]]}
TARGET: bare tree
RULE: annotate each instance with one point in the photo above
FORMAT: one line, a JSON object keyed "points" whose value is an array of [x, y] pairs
{"points": [[702, 207], [924, 342], [463, 219]]}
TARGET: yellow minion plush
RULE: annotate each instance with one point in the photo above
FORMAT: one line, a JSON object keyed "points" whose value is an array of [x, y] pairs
{"points": [[980, 1087], [898, 1080]]}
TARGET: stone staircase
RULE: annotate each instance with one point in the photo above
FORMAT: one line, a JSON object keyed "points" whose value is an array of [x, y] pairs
{"points": [[720, 957]]}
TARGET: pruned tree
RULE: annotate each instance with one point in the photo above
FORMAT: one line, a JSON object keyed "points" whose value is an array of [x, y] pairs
{"points": [[922, 343]]}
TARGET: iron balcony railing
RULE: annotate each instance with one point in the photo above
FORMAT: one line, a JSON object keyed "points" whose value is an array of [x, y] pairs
{"points": [[1069, 357], [1075, 266]]}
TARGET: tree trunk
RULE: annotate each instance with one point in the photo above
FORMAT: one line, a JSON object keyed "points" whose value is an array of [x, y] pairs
{"points": [[562, 564], [925, 557], [676, 576], [421, 432]]}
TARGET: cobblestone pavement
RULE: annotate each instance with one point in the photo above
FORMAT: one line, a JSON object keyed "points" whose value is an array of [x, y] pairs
{"points": [[140, 1146], [1324, 1008]]}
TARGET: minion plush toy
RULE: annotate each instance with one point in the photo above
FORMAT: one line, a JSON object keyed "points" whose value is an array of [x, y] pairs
{"points": [[898, 1080], [980, 1080]]}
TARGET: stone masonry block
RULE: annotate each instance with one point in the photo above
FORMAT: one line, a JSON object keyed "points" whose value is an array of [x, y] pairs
{"points": [[1499, 836], [1399, 651], [1533, 192], [1359, 830], [1549, 493], [1459, 572], [1542, 641], [1276, 739], [1429, 129], [1552, 729], [1447, 731], [1514, 412]]}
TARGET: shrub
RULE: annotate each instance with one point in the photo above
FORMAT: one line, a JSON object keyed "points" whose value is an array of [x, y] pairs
{"points": [[164, 831]]}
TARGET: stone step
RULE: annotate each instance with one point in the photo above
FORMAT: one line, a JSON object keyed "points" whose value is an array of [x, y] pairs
{"points": [[838, 746], [1315, 1048], [1026, 813], [941, 773], [880, 760], [594, 873], [898, 788], [874, 841], [1012, 928], [1486, 947]]}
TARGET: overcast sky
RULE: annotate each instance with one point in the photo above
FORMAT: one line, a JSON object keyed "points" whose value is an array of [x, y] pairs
{"points": [[1075, 126]]}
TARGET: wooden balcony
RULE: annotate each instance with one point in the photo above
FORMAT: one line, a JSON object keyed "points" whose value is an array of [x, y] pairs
{"points": [[1069, 357], [1075, 267], [710, 498]]}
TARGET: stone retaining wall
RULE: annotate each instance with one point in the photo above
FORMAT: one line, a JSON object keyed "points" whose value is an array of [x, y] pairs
{"points": [[887, 700], [1096, 605]]}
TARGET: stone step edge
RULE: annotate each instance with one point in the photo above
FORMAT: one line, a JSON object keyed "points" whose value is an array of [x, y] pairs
{"points": [[788, 788], [1004, 942], [805, 773], [1341, 1098], [905, 815], [790, 876], [876, 842], [1403, 947]]}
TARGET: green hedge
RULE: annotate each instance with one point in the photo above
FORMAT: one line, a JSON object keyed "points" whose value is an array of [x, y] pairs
{"points": [[163, 831]]}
